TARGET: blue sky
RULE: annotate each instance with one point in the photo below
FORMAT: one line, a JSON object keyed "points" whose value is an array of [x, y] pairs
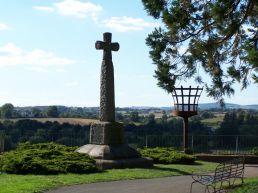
{"points": [[48, 57]]}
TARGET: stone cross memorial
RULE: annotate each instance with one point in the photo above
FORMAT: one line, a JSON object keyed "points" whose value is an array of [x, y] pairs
{"points": [[107, 145], [107, 95]]}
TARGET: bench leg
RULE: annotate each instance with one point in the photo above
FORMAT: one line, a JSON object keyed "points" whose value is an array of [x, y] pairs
{"points": [[206, 188], [191, 187], [233, 182]]}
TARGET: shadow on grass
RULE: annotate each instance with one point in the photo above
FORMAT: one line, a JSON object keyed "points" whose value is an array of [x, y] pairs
{"points": [[197, 164], [159, 168], [235, 187]]}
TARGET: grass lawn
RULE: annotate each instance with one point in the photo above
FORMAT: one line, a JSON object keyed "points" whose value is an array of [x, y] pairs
{"points": [[10, 183], [250, 186]]}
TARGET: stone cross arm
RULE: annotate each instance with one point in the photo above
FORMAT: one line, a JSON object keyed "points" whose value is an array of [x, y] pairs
{"points": [[107, 46]]}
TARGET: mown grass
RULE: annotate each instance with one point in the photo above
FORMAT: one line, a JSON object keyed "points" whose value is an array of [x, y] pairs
{"points": [[250, 186], [11, 183]]}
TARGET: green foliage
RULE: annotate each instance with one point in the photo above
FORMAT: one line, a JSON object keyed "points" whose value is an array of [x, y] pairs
{"points": [[250, 186], [164, 118], [239, 122], [52, 111], [218, 37], [42, 132], [255, 151], [151, 119], [36, 112], [167, 156], [206, 115], [45, 158], [7, 111], [134, 116]]}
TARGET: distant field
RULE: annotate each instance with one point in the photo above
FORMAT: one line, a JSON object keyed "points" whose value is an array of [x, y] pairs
{"points": [[214, 122], [79, 121]]}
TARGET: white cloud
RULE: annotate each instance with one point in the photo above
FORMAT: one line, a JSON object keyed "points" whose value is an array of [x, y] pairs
{"points": [[37, 69], [124, 24], [82, 9], [72, 84], [61, 70], [11, 55], [44, 8], [75, 8], [3, 26]]}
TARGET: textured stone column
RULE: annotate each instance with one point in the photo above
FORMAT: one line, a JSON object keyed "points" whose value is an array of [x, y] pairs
{"points": [[107, 93]]}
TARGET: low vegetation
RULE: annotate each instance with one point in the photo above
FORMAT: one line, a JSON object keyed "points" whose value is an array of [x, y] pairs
{"points": [[255, 151], [250, 186], [45, 158], [167, 156]]}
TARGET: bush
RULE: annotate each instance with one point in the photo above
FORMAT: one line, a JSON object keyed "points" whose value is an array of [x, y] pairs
{"points": [[255, 151], [46, 158], [167, 156]]}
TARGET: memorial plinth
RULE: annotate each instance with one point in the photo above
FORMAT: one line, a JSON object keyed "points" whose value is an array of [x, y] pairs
{"points": [[107, 133], [107, 145]]}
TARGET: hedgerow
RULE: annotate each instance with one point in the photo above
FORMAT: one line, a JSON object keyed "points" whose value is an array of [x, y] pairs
{"points": [[167, 156]]}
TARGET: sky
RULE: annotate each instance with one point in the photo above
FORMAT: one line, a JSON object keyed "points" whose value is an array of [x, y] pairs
{"points": [[48, 55]]}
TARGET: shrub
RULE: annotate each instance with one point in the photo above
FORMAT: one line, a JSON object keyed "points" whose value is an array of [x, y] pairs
{"points": [[167, 156], [46, 158], [255, 151]]}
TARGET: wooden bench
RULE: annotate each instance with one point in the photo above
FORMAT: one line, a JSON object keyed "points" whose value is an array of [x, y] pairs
{"points": [[226, 172]]}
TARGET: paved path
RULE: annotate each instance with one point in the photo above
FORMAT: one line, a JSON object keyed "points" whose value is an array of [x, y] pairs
{"points": [[177, 184]]}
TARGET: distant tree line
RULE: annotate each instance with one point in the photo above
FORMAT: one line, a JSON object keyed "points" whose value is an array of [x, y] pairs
{"points": [[160, 130], [39, 132], [137, 127], [239, 122], [8, 111], [76, 135], [235, 123]]}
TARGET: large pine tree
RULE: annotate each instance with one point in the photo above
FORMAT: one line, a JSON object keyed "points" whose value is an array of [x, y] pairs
{"points": [[218, 36]]}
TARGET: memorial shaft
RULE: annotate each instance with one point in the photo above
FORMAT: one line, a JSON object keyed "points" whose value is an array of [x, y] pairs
{"points": [[107, 90], [107, 96]]}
